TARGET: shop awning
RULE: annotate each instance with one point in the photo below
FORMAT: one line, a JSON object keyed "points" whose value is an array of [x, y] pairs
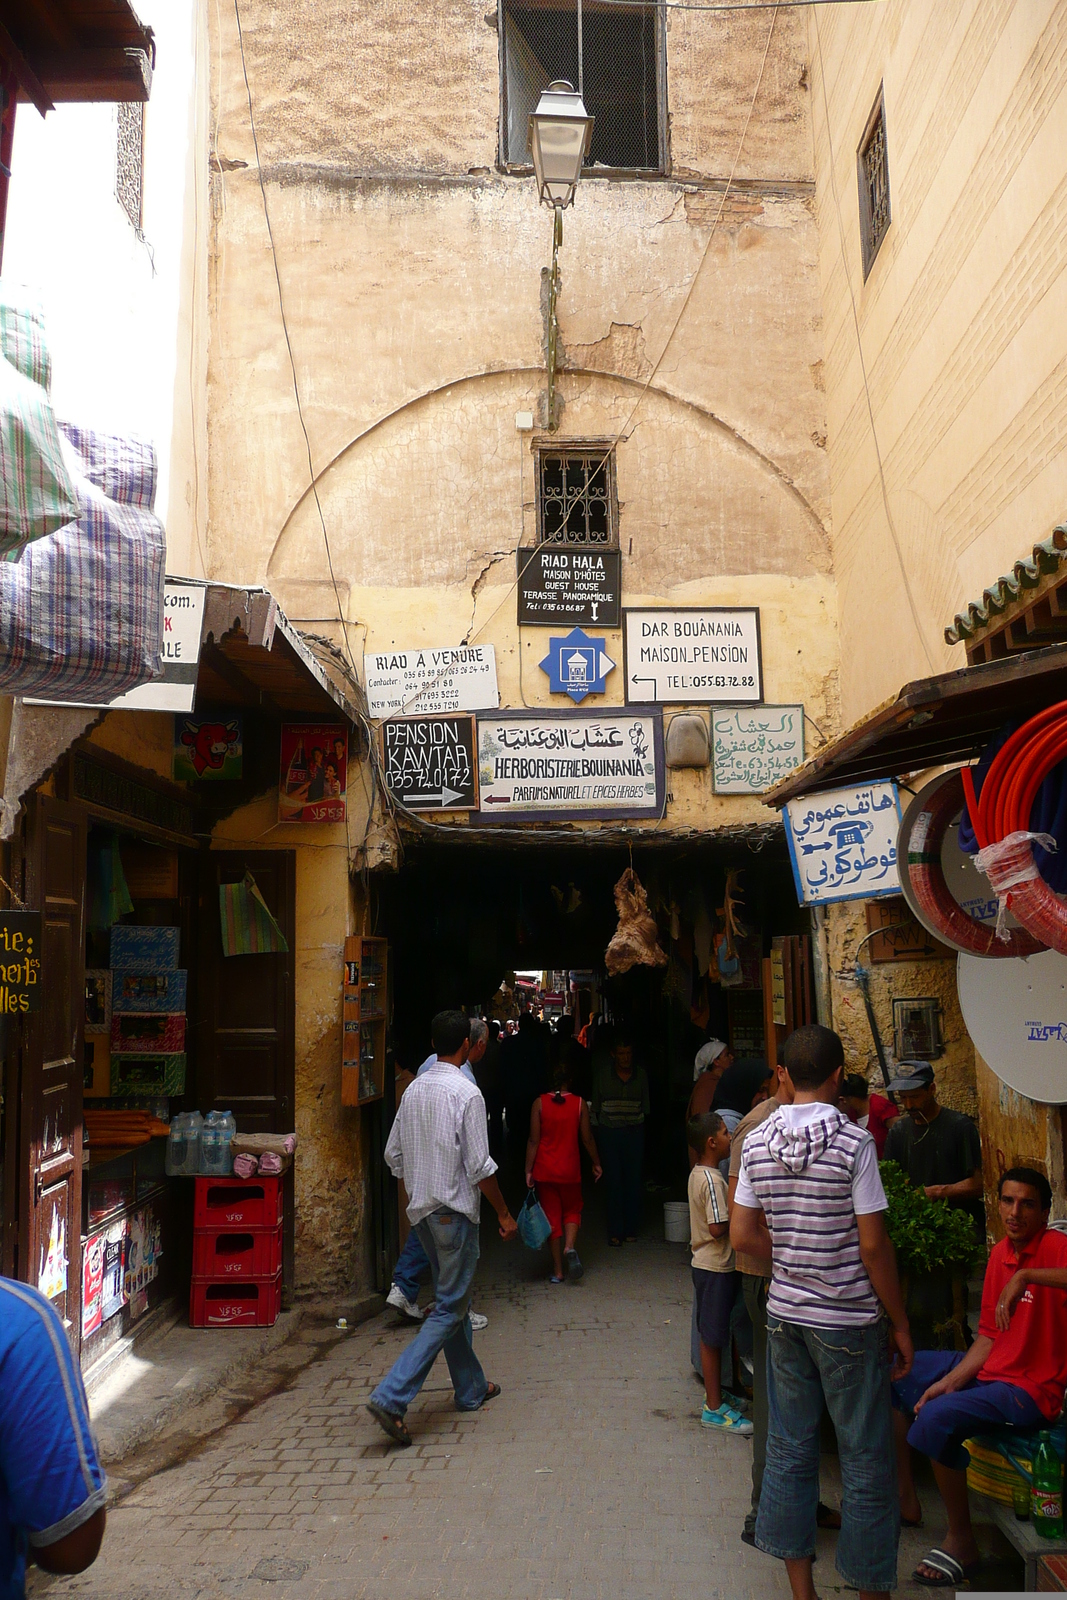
{"points": [[933, 722], [252, 655], [62, 50]]}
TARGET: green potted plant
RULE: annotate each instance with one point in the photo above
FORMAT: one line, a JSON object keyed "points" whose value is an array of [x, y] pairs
{"points": [[937, 1249]]}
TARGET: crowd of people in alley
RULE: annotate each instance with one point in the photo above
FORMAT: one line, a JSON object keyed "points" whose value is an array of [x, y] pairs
{"points": [[791, 1262]]}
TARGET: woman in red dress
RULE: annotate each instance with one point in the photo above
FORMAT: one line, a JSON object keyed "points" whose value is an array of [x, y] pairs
{"points": [[553, 1164]]}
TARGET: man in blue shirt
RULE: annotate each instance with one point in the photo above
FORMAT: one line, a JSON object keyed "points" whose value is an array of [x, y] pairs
{"points": [[52, 1490]]}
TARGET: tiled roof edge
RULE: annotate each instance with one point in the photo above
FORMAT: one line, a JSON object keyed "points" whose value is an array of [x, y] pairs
{"points": [[1027, 573]]}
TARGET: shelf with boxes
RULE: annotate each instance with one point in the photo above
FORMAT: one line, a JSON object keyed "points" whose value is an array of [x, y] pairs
{"points": [[365, 1007], [237, 1253]]}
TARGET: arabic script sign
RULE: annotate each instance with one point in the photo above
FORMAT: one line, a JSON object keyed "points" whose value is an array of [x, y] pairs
{"points": [[843, 844], [587, 764], [752, 749], [407, 683]]}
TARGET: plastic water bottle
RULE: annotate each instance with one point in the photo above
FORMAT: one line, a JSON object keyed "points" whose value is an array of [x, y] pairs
{"points": [[194, 1122], [1046, 1493], [210, 1137], [227, 1129], [174, 1162]]}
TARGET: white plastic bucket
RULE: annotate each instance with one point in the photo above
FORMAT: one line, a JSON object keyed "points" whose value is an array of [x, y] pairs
{"points": [[676, 1221]]}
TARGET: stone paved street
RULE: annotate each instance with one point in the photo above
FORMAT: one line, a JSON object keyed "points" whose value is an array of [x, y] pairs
{"points": [[589, 1479]]}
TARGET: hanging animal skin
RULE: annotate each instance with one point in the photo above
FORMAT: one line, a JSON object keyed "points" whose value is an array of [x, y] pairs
{"points": [[636, 939]]}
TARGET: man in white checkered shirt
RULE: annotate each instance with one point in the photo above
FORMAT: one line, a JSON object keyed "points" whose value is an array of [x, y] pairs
{"points": [[439, 1147]]}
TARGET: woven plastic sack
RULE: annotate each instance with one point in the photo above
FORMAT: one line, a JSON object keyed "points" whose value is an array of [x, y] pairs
{"points": [[81, 612], [37, 494], [535, 1229]]}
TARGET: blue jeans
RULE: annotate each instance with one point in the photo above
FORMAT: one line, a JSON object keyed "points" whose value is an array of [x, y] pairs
{"points": [[848, 1369], [412, 1265], [942, 1425], [451, 1243], [622, 1155]]}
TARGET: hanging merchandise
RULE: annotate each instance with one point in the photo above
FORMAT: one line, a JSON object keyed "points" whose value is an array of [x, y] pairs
{"points": [[81, 613], [636, 939], [960, 919], [247, 926], [109, 895], [1004, 819], [37, 496]]}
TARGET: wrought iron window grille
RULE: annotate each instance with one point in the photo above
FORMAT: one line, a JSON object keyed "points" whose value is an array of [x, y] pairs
{"points": [[614, 53], [576, 497], [873, 162]]}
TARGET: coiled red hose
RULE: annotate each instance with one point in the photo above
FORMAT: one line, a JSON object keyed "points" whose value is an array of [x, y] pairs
{"points": [[1015, 775], [927, 879]]}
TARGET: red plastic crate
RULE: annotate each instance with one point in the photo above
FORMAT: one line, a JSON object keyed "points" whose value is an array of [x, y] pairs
{"points": [[227, 1204], [221, 1253], [248, 1303]]}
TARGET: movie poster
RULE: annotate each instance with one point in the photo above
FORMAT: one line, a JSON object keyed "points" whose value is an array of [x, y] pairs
{"points": [[314, 772]]}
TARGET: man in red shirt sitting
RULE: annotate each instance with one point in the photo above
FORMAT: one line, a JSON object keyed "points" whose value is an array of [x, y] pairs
{"points": [[1015, 1371]]}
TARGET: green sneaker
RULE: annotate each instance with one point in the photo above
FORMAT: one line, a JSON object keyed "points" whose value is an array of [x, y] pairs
{"points": [[726, 1420]]}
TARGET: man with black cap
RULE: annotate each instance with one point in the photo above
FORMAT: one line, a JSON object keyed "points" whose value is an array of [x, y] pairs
{"points": [[939, 1149]]}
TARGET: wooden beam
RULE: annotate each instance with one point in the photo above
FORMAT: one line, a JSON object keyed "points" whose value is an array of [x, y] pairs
{"points": [[29, 83], [114, 73]]}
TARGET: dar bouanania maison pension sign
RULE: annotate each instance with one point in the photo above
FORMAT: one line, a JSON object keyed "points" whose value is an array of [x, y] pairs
{"points": [[585, 764], [695, 655]]}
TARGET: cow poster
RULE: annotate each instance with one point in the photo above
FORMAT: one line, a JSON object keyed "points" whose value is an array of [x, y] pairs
{"points": [[207, 749], [314, 772]]}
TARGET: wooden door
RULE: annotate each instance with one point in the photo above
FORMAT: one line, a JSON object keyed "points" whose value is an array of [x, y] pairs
{"points": [[49, 1185], [244, 1019]]}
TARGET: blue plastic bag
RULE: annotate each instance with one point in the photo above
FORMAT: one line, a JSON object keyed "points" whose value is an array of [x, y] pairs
{"points": [[534, 1227]]}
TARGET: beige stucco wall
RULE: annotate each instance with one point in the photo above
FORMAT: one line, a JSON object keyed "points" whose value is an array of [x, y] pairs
{"points": [[411, 271], [962, 322]]}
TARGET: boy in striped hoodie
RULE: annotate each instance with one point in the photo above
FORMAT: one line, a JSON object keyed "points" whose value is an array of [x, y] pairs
{"points": [[809, 1196]]}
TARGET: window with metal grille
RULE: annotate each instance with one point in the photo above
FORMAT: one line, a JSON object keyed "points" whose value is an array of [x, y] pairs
{"points": [[129, 161], [612, 53], [576, 497], [874, 185]]}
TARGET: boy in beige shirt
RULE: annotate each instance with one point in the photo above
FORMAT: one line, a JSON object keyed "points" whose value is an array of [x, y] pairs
{"points": [[714, 1278]]}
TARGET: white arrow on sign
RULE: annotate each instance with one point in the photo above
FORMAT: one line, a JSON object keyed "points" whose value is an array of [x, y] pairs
{"points": [[446, 795]]}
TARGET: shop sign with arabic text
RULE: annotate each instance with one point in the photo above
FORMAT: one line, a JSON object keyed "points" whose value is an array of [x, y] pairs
{"points": [[599, 765], [843, 843], [754, 747]]}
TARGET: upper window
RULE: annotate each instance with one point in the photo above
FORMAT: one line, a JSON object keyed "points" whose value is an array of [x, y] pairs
{"points": [[576, 497], [129, 162], [611, 52], [874, 185]]}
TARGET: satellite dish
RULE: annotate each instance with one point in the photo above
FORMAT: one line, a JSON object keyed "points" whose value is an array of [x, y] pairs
{"points": [[1016, 1013], [967, 886]]}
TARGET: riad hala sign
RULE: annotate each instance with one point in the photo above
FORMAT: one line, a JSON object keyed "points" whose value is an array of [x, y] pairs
{"points": [[558, 585], [843, 844], [585, 764], [698, 655], [20, 962]]}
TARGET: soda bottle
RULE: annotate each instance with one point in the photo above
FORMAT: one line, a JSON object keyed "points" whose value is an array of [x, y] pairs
{"points": [[1046, 1492]]}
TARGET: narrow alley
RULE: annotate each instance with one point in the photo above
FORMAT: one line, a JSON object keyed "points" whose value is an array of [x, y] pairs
{"points": [[590, 1479]]}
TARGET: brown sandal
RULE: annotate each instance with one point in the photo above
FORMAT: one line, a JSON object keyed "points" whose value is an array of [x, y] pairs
{"points": [[395, 1427]]}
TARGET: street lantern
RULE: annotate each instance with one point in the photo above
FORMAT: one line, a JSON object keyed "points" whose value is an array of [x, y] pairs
{"points": [[560, 132]]}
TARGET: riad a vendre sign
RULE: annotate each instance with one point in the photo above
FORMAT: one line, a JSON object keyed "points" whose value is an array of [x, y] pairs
{"points": [[20, 962]]}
